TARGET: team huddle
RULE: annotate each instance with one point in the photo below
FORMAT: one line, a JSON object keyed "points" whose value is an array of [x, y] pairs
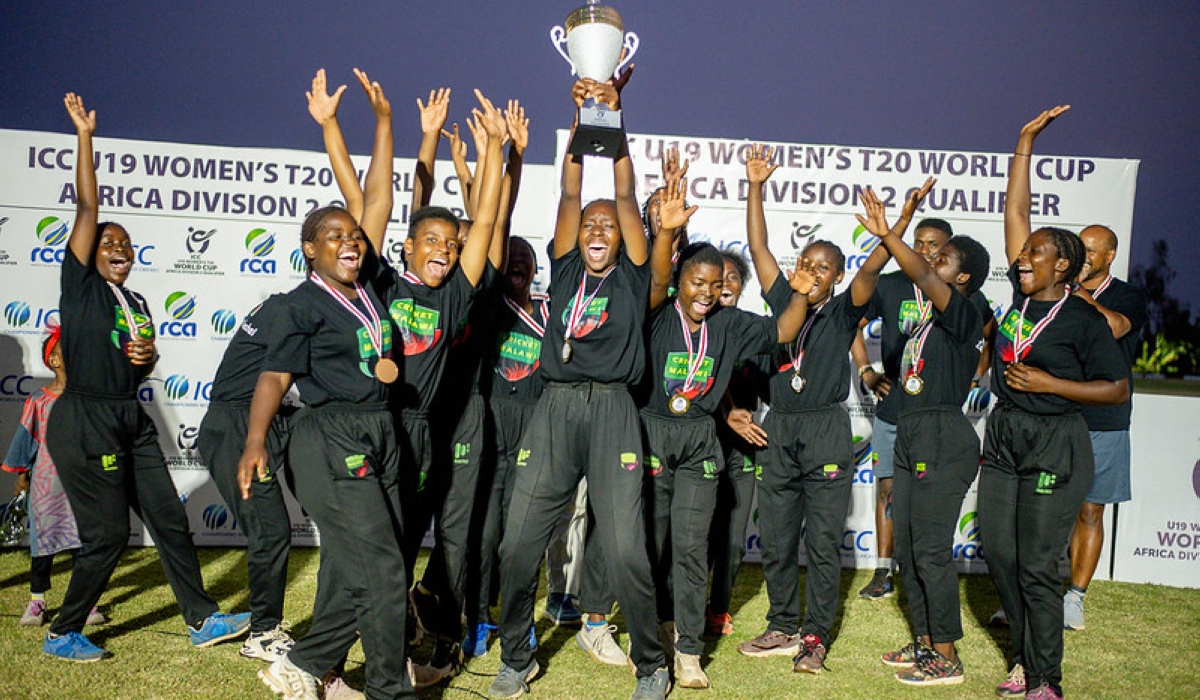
{"points": [[448, 394]]}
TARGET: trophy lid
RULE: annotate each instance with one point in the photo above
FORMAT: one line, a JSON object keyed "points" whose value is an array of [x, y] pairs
{"points": [[593, 13]]}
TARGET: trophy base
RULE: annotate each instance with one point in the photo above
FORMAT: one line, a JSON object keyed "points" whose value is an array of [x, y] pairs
{"points": [[599, 133]]}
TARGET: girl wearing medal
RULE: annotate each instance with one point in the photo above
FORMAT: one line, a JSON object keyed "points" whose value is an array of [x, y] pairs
{"points": [[586, 423], [334, 340], [104, 444], [937, 449], [694, 343], [1054, 352], [807, 465]]}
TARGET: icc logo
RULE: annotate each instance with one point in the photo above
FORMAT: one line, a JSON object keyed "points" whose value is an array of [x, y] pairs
{"points": [[803, 234], [297, 261], [187, 438], [17, 314], [180, 307], [178, 388], [199, 239], [259, 244], [52, 232], [215, 516], [223, 321]]}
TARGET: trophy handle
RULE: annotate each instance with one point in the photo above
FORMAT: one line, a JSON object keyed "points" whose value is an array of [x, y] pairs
{"points": [[558, 37], [631, 47]]}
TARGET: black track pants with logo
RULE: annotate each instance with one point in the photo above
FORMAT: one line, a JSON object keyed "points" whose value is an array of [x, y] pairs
{"points": [[1036, 472], [263, 519], [937, 457], [107, 455], [580, 430], [346, 463], [806, 478]]}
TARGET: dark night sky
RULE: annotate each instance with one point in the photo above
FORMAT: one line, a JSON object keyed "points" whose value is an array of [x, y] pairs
{"points": [[934, 74]]}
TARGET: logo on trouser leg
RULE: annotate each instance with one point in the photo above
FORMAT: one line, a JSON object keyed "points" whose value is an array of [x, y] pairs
{"points": [[831, 470], [710, 469], [654, 464], [462, 450], [758, 472], [1046, 482], [629, 461], [919, 470], [108, 463], [523, 457], [356, 465]]}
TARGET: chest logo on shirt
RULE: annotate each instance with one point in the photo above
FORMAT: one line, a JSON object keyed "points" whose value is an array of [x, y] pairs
{"points": [[519, 355], [675, 374], [1006, 341], [593, 316], [910, 316], [367, 350], [120, 332], [418, 326]]}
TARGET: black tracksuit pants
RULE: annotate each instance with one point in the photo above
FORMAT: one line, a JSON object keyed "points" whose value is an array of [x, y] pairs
{"points": [[346, 463], [807, 471], [727, 538], [107, 454], [577, 430], [264, 518], [937, 457], [1037, 470]]}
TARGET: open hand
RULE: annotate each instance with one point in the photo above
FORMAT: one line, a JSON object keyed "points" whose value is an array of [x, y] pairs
{"points": [[742, 423], [491, 119], [1041, 121], [758, 165], [433, 112], [85, 121], [518, 125], [873, 221], [673, 212], [379, 102], [915, 198], [802, 279], [321, 105]]}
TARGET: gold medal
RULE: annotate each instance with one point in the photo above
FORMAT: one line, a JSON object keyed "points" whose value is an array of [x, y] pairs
{"points": [[914, 384], [797, 383], [680, 404], [386, 370], [566, 352]]}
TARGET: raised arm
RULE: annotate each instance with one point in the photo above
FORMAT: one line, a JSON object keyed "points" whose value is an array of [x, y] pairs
{"points": [[433, 118], [674, 214], [629, 214], [802, 281], [863, 284], [570, 204], [475, 252], [87, 194], [268, 393], [758, 171], [914, 265], [323, 107], [379, 193], [518, 141], [1019, 197], [458, 154]]}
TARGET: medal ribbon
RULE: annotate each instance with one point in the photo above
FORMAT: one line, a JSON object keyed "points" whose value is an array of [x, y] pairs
{"points": [[413, 279], [540, 329], [1021, 346], [924, 311], [693, 364], [918, 347], [581, 304], [133, 326], [798, 345], [1103, 286], [373, 326]]}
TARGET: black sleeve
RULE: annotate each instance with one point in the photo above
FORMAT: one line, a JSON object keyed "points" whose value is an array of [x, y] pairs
{"points": [[1098, 350], [288, 350], [753, 334], [850, 314], [1132, 305], [779, 295]]}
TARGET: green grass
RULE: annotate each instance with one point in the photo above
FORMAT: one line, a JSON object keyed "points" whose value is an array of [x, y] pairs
{"points": [[1141, 641]]}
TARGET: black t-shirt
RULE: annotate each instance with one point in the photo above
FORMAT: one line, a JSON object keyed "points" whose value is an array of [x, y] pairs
{"points": [[733, 335], [241, 364], [95, 330], [1077, 345], [513, 367], [895, 303], [326, 348], [426, 319], [949, 356], [1130, 302], [474, 335], [826, 363], [609, 344]]}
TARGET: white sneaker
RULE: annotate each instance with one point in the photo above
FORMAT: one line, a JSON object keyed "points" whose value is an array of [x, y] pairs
{"points": [[269, 646], [599, 642], [688, 673], [336, 689], [289, 680]]}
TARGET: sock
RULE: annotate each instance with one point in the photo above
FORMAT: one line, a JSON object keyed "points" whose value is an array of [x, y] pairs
{"points": [[883, 563], [597, 625], [1076, 590], [37, 596]]}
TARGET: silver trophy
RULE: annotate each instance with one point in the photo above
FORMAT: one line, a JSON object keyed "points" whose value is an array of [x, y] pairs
{"points": [[597, 47]]}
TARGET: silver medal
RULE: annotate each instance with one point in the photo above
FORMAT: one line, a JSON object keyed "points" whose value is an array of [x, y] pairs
{"points": [[913, 385], [680, 404], [797, 383], [566, 351]]}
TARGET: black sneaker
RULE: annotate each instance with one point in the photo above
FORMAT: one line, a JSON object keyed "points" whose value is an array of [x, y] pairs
{"points": [[880, 587]]}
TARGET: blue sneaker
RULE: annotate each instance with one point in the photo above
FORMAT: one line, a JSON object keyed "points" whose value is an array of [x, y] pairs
{"points": [[72, 646], [561, 610], [476, 641], [219, 627]]}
